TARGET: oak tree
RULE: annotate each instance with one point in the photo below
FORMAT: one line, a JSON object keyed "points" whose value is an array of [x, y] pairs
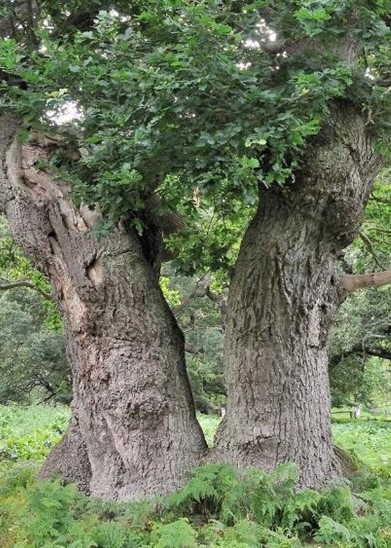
{"points": [[274, 111]]}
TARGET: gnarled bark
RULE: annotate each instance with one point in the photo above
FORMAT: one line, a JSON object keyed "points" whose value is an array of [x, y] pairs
{"points": [[283, 296], [134, 431]]}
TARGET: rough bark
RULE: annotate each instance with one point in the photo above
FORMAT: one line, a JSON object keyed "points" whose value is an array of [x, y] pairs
{"points": [[283, 296], [134, 431], [70, 459]]}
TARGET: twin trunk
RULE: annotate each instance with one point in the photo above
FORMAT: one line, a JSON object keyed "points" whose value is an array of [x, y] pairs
{"points": [[134, 431]]}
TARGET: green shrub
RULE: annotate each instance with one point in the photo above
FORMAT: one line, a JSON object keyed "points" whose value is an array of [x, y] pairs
{"points": [[177, 534], [28, 433]]}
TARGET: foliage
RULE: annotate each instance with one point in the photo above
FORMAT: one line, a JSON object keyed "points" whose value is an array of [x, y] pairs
{"points": [[15, 266], [367, 439], [29, 433], [376, 225], [191, 100], [361, 380], [202, 323], [209, 424], [33, 362], [260, 510], [361, 343]]}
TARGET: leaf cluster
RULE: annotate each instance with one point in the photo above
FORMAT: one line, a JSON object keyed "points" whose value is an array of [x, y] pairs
{"points": [[190, 90]]}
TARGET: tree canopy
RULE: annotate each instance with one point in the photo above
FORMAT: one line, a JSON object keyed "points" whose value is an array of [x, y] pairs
{"points": [[197, 102]]}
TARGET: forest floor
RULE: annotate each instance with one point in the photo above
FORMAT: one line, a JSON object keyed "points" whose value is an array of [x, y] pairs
{"points": [[220, 507]]}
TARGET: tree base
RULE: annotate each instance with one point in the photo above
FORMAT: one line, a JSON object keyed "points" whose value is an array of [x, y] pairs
{"points": [[347, 464], [69, 459]]}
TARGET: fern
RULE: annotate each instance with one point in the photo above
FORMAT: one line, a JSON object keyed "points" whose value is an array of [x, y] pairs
{"points": [[379, 504], [337, 503], [220, 507], [17, 477], [178, 534], [205, 491], [333, 533], [109, 534], [48, 511], [300, 510]]}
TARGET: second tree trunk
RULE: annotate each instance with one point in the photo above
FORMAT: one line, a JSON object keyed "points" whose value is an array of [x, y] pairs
{"points": [[283, 296]]}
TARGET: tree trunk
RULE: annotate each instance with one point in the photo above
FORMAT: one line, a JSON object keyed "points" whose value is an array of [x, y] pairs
{"points": [[283, 296], [134, 431]]}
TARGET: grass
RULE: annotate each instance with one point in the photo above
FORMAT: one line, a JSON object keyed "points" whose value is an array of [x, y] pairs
{"points": [[209, 424], [368, 440], [28, 433]]}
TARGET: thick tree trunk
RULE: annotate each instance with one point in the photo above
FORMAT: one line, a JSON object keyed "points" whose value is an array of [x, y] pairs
{"points": [[283, 296], [134, 431]]}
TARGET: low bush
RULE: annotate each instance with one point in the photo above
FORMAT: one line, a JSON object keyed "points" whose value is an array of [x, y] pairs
{"points": [[28, 433]]}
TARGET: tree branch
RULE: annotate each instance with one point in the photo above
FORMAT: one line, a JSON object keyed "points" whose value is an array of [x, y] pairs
{"points": [[192, 350], [202, 289], [360, 281], [379, 353], [380, 200], [221, 301], [199, 290], [29, 285], [382, 230], [368, 244], [362, 351]]}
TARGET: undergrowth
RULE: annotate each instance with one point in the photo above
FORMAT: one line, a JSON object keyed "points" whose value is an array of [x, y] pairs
{"points": [[28, 433], [220, 507]]}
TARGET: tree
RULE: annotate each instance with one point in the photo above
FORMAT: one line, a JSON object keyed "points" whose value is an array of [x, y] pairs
{"points": [[124, 345], [32, 358], [194, 108], [33, 362], [360, 345], [200, 308], [285, 290]]}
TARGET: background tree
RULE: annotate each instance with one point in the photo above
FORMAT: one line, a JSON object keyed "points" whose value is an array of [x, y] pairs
{"points": [[33, 362], [360, 351], [32, 351]]}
